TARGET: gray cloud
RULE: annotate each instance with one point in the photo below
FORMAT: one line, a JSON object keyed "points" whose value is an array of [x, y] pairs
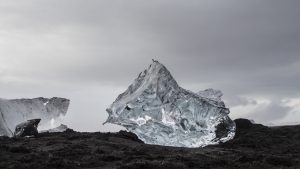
{"points": [[248, 49], [240, 101], [271, 112]]}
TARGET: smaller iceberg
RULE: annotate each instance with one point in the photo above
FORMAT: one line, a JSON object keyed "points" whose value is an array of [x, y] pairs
{"points": [[13, 112]]}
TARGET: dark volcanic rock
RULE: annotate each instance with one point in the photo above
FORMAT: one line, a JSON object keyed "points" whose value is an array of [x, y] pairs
{"points": [[243, 123], [254, 147], [129, 136], [28, 128]]}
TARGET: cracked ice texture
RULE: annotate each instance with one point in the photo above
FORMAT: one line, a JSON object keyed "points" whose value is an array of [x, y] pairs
{"points": [[13, 112], [160, 112]]}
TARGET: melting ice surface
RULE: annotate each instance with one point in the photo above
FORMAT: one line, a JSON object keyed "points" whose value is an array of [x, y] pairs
{"points": [[160, 112], [13, 112]]}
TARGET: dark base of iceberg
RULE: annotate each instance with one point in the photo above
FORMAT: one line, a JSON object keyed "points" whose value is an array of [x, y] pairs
{"points": [[254, 146], [27, 128]]}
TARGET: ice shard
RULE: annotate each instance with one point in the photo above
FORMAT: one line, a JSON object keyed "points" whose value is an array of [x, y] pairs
{"points": [[160, 112], [61, 128], [13, 112]]}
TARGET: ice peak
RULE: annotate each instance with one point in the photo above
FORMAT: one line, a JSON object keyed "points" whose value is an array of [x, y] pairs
{"points": [[157, 73], [157, 68]]}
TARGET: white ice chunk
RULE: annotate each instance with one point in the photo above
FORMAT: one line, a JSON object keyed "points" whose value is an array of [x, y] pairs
{"points": [[16, 111]]}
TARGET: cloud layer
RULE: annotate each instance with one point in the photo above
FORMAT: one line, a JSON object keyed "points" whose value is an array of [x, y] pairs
{"points": [[91, 51]]}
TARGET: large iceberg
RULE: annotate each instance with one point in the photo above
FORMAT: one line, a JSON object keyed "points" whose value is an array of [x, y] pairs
{"points": [[160, 112], [13, 112]]}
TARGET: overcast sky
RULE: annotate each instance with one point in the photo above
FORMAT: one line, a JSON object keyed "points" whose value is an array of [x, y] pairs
{"points": [[91, 51]]}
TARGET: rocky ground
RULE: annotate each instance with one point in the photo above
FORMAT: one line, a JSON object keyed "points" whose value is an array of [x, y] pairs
{"points": [[254, 146]]}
